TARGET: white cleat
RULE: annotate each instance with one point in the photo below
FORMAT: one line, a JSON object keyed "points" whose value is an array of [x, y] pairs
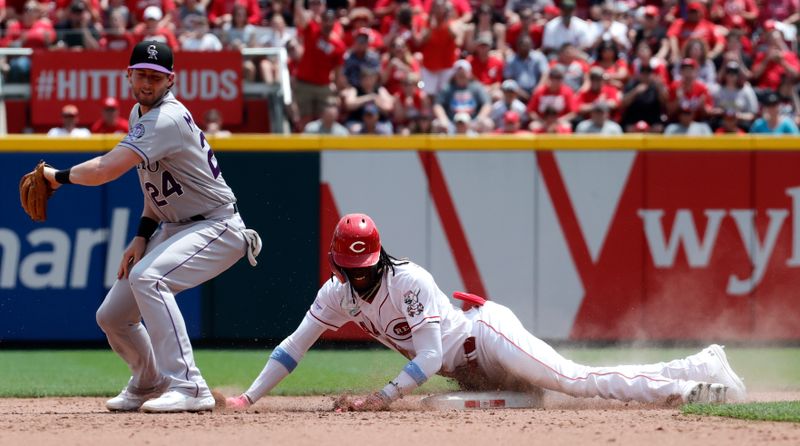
{"points": [[720, 371], [127, 401], [706, 393], [174, 401]]}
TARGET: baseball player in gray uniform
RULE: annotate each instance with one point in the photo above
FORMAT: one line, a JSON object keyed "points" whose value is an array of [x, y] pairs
{"points": [[190, 231], [484, 348]]}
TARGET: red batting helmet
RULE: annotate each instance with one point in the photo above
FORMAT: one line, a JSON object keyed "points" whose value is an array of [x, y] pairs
{"points": [[356, 244]]}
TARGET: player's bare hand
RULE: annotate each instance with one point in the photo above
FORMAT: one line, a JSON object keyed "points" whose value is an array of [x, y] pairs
{"points": [[131, 256], [373, 403], [50, 176]]}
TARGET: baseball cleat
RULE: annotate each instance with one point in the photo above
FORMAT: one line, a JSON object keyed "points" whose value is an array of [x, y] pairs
{"points": [[174, 401], [127, 401], [706, 393], [720, 371]]}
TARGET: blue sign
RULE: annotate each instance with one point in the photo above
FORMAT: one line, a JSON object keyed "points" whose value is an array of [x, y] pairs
{"points": [[54, 275]]}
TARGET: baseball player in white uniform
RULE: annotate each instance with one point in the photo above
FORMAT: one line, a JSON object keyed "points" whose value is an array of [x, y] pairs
{"points": [[486, 347], [190, 231]]}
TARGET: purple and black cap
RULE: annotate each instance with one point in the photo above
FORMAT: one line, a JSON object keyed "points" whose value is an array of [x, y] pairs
{"points": [[152, 55]]}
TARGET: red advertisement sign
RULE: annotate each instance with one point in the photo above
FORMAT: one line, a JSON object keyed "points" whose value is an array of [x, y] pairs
{"points": [[202, 81]]}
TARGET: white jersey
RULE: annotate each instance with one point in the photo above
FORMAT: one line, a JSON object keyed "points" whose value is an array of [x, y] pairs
{"points": [[405, 301], [179, 172]]}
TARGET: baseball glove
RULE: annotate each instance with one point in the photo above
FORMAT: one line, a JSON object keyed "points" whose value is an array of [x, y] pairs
{"points": [[34, 191]]}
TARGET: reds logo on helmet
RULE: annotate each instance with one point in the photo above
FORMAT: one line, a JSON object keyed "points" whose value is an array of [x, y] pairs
{"points": [[356, 244]]}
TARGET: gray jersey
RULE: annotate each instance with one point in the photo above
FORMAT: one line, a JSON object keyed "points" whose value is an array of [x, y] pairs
{"points": [[179, 172]]}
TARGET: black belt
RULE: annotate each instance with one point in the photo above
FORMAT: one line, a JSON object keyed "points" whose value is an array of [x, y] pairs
{"points": [[199, 217]]}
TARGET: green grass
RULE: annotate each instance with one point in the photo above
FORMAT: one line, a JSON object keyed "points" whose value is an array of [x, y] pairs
{"points": [[41, 373], [776, 411]]}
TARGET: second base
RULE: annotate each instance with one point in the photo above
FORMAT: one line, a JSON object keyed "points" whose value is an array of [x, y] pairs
{"points": [[483, 400]]}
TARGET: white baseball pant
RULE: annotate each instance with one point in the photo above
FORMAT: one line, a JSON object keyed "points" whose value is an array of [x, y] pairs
{"points": [[504, 346], [178, 257]]}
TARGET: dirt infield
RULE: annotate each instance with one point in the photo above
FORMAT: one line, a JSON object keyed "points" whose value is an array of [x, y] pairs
{"points": [[309, 421]]}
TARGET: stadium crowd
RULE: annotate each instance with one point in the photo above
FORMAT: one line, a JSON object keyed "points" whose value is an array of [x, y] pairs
{"points": [[471, 66]]}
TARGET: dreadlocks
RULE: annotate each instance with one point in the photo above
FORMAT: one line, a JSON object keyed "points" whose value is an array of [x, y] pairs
{"points": [[387, 261]]}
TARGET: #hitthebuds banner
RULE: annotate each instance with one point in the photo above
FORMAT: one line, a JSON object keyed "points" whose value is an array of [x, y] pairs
{"points": [[203, 81]]}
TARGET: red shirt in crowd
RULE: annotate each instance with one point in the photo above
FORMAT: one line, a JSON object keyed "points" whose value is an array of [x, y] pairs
{"points": [[697, 96], [729, 9], [703, 29], [618, 66], [460, 7], [374, 38], [771, 77], [439, 52], [487, 72], [320, 57], [40, 35], [608, 93], [722, 131], [118, 42], [535, 32], [561, 128], [99, 126], [137, 7], [562, 100], [161, 34], [219, 8], [396, 76]]}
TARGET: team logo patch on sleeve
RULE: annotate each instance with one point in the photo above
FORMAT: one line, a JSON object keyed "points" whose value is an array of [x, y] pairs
{"points": [[411, 299], [136, 132]]}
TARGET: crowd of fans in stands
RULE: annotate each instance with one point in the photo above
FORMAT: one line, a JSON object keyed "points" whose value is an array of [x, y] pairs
{"points": [[472, 66]]}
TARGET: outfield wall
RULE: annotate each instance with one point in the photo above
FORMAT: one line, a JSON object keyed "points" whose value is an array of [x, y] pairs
{"points": [[635, 237]]}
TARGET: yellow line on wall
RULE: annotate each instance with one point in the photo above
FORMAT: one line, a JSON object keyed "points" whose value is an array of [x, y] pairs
{"points": [[304, 143]]}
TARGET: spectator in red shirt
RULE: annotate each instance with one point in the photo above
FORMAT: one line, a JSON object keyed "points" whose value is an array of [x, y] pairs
{"points": [[773, 63], [550, 123], [360, 21], [780, 10], [694, 26], [553, 94], [461, 8], [486, 67], [533, 29], [152, 29], [110, 122], [34, 30], [725, 11], [438, 43], [221, 11], [598, 89], [409, 100], [406, 22], [614, 67], [511, 124], [138, 7], [689, 92], [397, 65], [644, 57], [729, 123], [696, 50], [117, 37], [323, 57]]}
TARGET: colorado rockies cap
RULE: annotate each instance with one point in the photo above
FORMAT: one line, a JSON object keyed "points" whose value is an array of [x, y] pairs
{"points": [[152, 55]]}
